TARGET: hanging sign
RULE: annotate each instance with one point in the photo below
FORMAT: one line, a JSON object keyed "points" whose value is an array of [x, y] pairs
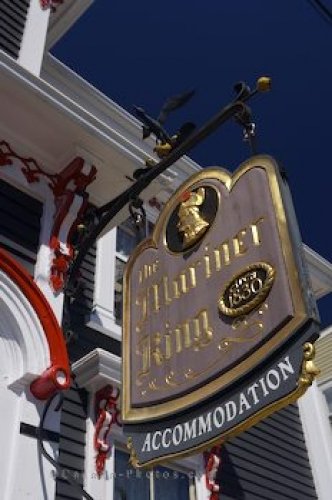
{"points": [[218, 314]]}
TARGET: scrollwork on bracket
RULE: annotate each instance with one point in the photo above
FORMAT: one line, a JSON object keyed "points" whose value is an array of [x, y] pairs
{"points": [[212, 464], [30, 168], [107, 414], [309, 369], [69, 191], [133, 460], [70, 200]]}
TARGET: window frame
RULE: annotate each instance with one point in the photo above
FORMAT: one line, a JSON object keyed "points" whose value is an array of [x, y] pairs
{"points": [[324, 388], [174, 466], [103, 315]]}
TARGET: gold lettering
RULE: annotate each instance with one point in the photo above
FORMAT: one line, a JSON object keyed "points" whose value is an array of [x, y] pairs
{"points": [[168, 346], [225, 249], [156, 352], [186, 334], [180, 285], [256, 237], [183, 282], [165, 289], [197, 333], [168, 300], [182, 336], [147, 271], [192, 276], [222, 255], [178, 339], [155, 266], [176, 289], [141, 302], [203, 333], [207, 266], [144, 351], [217, 259], [156, 304], [238, 243], [162, 347]]}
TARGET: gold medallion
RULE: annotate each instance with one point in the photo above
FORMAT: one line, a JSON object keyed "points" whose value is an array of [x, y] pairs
{"points": [[247, 289]]}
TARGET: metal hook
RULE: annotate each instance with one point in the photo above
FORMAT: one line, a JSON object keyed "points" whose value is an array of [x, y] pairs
{"points": [[137, 212], [249, 135]]}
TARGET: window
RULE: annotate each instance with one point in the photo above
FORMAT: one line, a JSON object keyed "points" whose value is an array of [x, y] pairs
{"points": [[323, 362], [159, 483], [13, 16], [328, 396], [20, 216], [113, 250], [127, 238]]}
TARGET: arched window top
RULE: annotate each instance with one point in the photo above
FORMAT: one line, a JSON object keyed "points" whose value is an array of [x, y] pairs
{"points": [[31, 339], [23, 345]]}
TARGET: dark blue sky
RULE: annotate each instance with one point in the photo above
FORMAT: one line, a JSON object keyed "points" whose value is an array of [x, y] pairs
{"points": [[142, 52]]}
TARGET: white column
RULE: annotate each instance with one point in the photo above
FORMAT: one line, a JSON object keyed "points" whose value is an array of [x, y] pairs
{"points": [[102, 317], [202, 493], [24, 472], [10, 409], [318, 437], [34, 38], [45, 256], [94, 371]]}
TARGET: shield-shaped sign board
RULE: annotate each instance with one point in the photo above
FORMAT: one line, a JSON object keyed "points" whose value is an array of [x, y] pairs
{"points": [[217, 308]]}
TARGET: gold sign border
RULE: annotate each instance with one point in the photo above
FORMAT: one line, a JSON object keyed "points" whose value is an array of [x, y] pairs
{"points": [[307, 376], [157, 411]]}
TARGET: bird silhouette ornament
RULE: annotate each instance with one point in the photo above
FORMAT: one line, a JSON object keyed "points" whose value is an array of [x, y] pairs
{"points": [[165, 143]]}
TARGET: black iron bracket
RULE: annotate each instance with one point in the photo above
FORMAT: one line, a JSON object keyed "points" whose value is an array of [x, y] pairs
{"points": [[97, 219]]}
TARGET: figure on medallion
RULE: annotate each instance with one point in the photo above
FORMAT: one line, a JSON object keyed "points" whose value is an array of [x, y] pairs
{"points": [[191, 223]]}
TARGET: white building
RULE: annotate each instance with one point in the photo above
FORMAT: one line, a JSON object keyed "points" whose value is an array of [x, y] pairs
{"points": [[63, 146]]}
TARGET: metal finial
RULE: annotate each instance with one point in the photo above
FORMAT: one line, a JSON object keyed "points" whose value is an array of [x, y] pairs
{"points": [[264, 84]]}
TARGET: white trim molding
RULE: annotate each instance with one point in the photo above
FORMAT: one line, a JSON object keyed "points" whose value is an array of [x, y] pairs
{"points": [[34, 38], [24, 349], [102, 317], [96, 369], [318, 437], [24, 354], [320, 272], [63, 19]]}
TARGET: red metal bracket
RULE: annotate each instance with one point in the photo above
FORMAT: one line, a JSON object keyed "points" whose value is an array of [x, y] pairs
{"points": [[107, 414], [69, 184], [212, 464]]}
